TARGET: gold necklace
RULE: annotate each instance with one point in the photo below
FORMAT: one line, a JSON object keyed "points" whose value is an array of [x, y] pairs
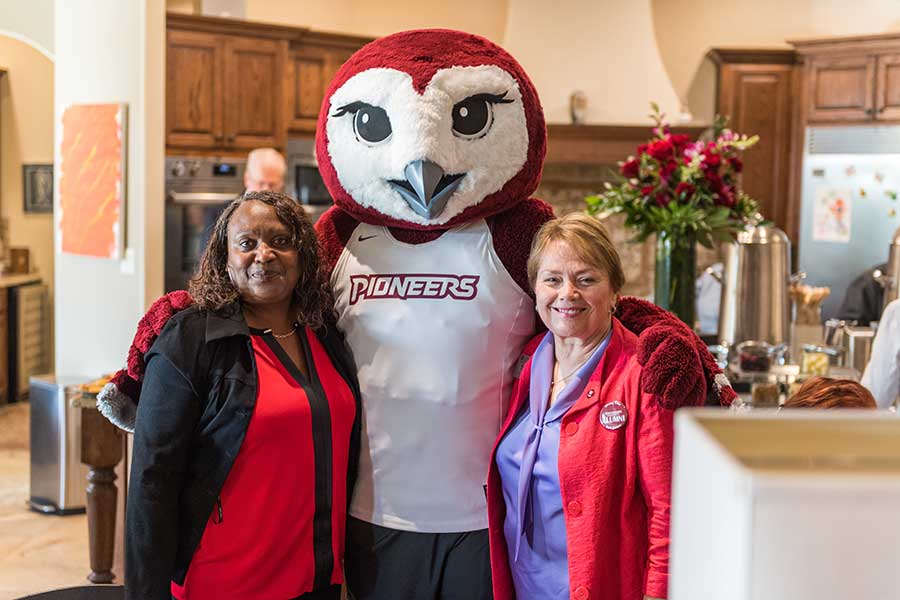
{"points": [[572, 372], [581, 364], [281, 336]]}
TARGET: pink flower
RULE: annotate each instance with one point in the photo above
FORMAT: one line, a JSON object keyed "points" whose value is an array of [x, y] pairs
{"points": [[631, 168], [662, 199], [646, 190], [691, 150]]}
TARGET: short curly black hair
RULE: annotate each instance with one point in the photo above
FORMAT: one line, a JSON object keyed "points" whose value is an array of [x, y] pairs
{"points": [[212, 288]]}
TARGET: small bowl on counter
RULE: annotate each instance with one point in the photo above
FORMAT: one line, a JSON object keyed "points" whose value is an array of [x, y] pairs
{"points": [[758, 356]]}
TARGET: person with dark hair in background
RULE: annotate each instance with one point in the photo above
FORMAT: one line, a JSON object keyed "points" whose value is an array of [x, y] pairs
{"points": [[247, 430]]}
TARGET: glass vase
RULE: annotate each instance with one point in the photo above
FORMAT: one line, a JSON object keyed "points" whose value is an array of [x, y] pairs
{"points": [[676, 275]]}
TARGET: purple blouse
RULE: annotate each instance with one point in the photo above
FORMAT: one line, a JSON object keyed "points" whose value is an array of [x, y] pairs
{"points": [[535, 527]]}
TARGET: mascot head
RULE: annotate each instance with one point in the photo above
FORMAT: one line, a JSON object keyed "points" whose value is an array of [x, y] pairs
{"points": [[426, 129]]}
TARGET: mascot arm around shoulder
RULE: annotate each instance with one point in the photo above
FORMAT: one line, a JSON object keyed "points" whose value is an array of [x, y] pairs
{"points": [[427, 132]]}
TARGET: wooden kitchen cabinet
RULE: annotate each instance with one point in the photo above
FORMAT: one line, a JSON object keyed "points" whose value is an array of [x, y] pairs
{"points": [[887, 87], [851, 79], [232, 85], [858, 88], [254, 71], [311, 66], [223, 91], [755, 91], [842, 89], [194, 85]]}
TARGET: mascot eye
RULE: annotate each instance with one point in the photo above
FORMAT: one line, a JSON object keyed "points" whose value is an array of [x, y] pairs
{"points": [[473, 117], [370, 123]]}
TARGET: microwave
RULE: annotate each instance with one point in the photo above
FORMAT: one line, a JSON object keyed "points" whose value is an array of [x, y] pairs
{"points": [[303, 180]]}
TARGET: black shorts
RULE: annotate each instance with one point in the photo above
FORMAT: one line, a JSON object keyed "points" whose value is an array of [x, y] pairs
{"points": [[387, 564]]}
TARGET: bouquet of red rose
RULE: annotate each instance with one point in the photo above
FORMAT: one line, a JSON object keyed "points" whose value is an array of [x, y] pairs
{"points": [[680, 187]]}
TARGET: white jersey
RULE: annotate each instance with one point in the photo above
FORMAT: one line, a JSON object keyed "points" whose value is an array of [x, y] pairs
{"points": [[436, 330]]}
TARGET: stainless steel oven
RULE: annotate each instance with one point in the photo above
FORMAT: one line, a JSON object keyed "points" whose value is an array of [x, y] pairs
{"points": [[303, 180], [197, 190]]}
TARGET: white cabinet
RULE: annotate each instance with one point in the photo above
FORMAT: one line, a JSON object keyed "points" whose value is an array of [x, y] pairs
{"points": [[785, 506]]}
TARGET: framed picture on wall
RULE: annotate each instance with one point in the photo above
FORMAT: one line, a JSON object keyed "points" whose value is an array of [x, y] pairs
{"points": [[37, 181]]}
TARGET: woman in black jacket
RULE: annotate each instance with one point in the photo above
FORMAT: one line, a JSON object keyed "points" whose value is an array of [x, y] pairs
{"points": [[247, 428]]}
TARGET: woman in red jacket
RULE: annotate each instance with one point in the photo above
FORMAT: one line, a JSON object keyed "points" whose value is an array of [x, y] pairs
{"points": [[578, 491]]}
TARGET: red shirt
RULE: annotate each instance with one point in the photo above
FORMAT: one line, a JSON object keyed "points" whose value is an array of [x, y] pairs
{"points": [[278, 529], [614, 480]]}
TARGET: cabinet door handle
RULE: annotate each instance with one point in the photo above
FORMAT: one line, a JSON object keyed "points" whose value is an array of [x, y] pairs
{"points": [[882, 109], [870, 111], [218, 137], [230, 139]]}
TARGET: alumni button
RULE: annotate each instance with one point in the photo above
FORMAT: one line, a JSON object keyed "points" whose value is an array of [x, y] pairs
{"points": [[581, 593], [571, 428], [613, 415], [575, 508], [590, 393]]}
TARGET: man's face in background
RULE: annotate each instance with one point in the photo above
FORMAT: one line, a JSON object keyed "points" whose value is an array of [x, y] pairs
{"points": [[264, 176]]}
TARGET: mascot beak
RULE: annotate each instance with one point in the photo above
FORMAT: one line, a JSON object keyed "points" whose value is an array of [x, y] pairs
{"points": [[426, 188]]}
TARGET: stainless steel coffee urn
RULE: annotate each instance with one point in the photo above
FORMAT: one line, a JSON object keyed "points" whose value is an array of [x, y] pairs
{"points": [[755, 303], [891, 279]]}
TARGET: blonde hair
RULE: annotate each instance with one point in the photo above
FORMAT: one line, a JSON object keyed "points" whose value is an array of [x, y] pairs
{"points": [[587, 237]]}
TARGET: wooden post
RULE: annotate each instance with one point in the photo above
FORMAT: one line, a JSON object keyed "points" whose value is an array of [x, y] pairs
{"points": [[101, 450]]}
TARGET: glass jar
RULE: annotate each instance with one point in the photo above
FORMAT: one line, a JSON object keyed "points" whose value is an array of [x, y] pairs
{"points": [[766, 395], [755, 356], [817, 360]]}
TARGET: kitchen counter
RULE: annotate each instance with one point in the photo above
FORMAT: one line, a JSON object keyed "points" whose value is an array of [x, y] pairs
{"points": [[7, 281]]}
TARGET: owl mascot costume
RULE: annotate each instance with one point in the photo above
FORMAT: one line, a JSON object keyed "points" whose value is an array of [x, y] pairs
{"points": [[431, 143]]}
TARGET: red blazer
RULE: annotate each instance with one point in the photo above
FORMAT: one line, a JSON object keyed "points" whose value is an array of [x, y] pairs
{"points": [[615, 484]]}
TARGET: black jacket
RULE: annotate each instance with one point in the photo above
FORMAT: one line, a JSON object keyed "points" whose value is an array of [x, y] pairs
{"points": [[862, 302], [197, 398]]}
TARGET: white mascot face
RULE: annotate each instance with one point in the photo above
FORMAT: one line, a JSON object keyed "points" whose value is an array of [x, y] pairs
{"points": [[424, 158]]}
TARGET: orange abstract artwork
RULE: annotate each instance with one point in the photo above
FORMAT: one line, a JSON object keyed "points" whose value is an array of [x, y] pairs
{"points": [[92, 180]]}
